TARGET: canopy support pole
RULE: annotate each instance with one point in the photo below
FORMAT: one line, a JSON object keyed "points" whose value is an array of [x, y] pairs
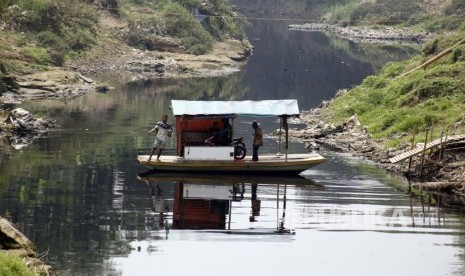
{"points": [[181, 136], [277, 209], [286, 128], [280, 134], [229, 215]]}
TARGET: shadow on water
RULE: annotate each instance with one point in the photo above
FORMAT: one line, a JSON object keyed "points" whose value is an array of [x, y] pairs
{"points": [[328, 207], [207, 202]]}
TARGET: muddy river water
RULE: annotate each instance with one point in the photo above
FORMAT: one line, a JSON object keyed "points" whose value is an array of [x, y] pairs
{"points": [[80, 193]]}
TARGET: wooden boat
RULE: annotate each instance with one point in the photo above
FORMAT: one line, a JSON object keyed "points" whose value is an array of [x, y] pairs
{"points": [[295, 163], [193, 119]]}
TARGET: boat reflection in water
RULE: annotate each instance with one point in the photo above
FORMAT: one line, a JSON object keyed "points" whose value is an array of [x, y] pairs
{"points": [[223, 203]]}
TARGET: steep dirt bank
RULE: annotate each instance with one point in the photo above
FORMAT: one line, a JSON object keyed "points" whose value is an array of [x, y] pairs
{"points": [[226, 57], [73, 81], [168, 60], [56, 83], [446, 175], [111, 53]]}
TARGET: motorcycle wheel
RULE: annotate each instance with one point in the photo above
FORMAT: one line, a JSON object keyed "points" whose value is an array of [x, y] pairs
{"points": [[239, 152]]}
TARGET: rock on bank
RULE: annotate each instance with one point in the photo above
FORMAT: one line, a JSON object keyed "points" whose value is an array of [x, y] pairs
{"points": [[13, 242], [56, 83]]}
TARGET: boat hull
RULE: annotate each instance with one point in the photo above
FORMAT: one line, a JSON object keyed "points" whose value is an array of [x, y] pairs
{"points": [[295, 163]]}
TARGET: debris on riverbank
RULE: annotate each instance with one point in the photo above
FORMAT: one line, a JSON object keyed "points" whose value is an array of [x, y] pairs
{"points": [[226, 57], [20, 128], [54, 84], [446, 175], [382, 34], [13, 242]]}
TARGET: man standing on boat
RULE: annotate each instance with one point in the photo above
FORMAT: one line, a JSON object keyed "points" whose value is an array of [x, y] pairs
{"points": [[226, 133], [163, 130], [257, 140]]}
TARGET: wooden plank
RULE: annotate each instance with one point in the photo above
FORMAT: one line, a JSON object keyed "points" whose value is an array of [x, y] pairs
{"points": [[430, 145]]}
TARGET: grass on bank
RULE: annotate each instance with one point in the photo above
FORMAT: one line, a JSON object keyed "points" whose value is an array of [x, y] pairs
{"points": [[416, 14], [55, 31], [194, 24], [391, 106], [50, 31], [13, 266]]}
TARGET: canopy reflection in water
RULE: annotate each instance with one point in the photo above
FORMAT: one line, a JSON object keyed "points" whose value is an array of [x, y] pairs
{"points": [[210, 202]]}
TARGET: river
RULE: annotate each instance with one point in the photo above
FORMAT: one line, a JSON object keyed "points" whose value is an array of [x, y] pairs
{"points": [[77, 192]]}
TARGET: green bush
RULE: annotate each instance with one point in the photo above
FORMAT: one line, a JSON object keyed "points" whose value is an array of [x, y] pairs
{"points": [[457, 7], [2, 68], [37, 54], [430, 48], [183, 25], [141, 40], [143, 30], [190, 5], [389, 12], [176, 19], [226, 23], [112, 6], [341, 10], [393, 69], [61, 27], [50, 39], [375, 82], [457, 55], [13, 266]]}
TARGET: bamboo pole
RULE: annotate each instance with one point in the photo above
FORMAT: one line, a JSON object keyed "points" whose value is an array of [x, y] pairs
{"points": [[422, 203], [445, 143], [413, 145], [277, 209], [229, 215], [410, 195], [432, 131], [438, 56], [280, 135], [441, 144], [286, 128], [429, 209], [423, 156], [281, 226], [431, 137]]}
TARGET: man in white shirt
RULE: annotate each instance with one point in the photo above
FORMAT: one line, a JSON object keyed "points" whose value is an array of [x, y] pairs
{"points": [[163, 130]]}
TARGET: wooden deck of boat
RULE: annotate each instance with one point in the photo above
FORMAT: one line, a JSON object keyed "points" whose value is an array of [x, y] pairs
{"points": [[266, 163]]}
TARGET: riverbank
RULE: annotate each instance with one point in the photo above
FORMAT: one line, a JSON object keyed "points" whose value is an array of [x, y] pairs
{"points": [[15, 243], [26, 73], [227, 57], [49, 54], [350, 136], [73, 81], [380, 34], [112, 53]]}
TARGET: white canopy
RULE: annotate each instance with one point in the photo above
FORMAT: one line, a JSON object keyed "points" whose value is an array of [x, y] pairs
{"points": [[259, 108]]}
